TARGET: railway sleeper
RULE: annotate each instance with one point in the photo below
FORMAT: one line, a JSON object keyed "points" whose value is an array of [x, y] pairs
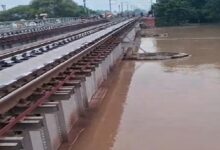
{"points": [[48, 107], [10, 145], [27, 122], [12, 142]]}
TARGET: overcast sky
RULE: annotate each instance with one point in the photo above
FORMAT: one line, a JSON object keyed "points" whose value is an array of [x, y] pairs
{"points": [[93, 4]]}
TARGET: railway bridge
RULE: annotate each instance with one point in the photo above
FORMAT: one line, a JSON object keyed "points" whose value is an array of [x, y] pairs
{"points": [[51, 76]]}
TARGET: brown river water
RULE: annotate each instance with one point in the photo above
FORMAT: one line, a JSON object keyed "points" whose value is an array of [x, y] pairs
{"points": [[162, 105]]}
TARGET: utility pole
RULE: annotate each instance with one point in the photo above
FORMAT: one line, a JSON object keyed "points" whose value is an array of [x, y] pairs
{"points": [[84, 5], [3, 7], [122, 9], [110, 5], [131, 7], [151, 4], [119, 8], [127, 9]]}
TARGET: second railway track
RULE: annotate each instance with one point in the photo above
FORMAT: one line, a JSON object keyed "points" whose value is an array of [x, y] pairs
{"points": [[45, 32], [74, 34]]}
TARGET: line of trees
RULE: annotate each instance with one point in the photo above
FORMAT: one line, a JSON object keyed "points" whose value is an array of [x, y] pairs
{"points": [[54, 8], [177, 12]]}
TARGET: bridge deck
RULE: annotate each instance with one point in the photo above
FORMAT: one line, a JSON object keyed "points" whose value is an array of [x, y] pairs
{"points": [[24, 68]]}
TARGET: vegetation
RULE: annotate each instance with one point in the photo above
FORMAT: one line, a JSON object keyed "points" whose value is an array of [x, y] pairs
{"points": [[54, 8], [177, 12], [16, 13]]}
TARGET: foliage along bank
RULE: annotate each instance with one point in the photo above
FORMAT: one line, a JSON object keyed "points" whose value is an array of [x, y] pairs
{"points": [[178, 12]]}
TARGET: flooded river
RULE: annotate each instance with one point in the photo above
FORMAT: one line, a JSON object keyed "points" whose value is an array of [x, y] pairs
{"points": [[163, 105]]}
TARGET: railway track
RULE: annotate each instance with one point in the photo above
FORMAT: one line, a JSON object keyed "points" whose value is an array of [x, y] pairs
{"points": [[47, 69], [8, 85], [79, 72], [60, 38], [33, 34]]}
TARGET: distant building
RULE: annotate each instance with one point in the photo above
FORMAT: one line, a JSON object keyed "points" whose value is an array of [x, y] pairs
{"points": [[149, 21]]}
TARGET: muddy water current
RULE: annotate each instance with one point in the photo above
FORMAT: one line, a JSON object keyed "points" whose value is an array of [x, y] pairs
{"points": [[162, 105]]}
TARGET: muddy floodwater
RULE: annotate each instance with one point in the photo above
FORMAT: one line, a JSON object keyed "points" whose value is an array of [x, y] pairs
{"points": [[162, 105]]}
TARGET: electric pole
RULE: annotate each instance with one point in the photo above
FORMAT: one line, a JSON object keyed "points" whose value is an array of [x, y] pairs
{"points": [[119, 8], [110, 5], [84, 5], [3, 7], [151, 4], [127, 9], [122, 9]]}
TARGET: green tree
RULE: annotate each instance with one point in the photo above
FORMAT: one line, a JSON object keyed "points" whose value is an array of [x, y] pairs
{"points": [[57, 8], [172, 12], [54, 8], [212, 10], [16, 13], [177, 12]]}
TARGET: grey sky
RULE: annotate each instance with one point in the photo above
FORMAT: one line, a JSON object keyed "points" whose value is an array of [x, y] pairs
{"points": [[93, 4]]}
